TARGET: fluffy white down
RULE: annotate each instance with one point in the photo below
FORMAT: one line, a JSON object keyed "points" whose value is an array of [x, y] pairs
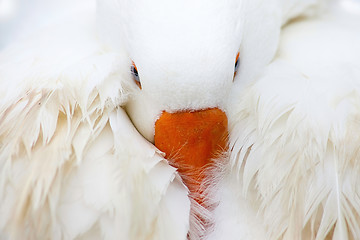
{"points": [[294, 138], [69, 156]]}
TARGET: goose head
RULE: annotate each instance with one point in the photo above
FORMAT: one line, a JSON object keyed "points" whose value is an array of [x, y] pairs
{"points": [[184, 57]]}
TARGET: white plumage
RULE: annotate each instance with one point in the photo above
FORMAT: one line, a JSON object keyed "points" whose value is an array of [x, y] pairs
{"points": [[66, 172], [294, 161], [73, 166]]}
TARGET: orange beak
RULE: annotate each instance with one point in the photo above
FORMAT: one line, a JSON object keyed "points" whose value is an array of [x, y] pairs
{"points": [[191, 140]]}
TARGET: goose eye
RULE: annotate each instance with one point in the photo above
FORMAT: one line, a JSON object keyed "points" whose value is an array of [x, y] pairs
{"points": [[135, 75], [237, 63]]}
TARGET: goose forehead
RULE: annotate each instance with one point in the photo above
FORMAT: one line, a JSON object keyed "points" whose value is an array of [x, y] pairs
{"points": [[185, 13], [182, 29]]}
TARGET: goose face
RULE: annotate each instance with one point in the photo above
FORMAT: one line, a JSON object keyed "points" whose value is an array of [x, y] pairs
{"points": [[184, 57]]}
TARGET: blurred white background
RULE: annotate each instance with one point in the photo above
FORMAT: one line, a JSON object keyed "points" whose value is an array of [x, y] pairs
{"points": [[21, 17]]}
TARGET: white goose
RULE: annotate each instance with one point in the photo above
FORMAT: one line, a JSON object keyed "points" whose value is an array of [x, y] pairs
{"points": [[72, 164]]}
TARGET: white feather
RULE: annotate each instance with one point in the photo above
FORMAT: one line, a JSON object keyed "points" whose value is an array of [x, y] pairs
{"points": [[70, 161], [293, 134]]}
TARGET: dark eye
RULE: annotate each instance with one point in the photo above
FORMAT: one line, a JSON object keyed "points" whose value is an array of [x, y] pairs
{"points": [[135, 75], [237, 63]]}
